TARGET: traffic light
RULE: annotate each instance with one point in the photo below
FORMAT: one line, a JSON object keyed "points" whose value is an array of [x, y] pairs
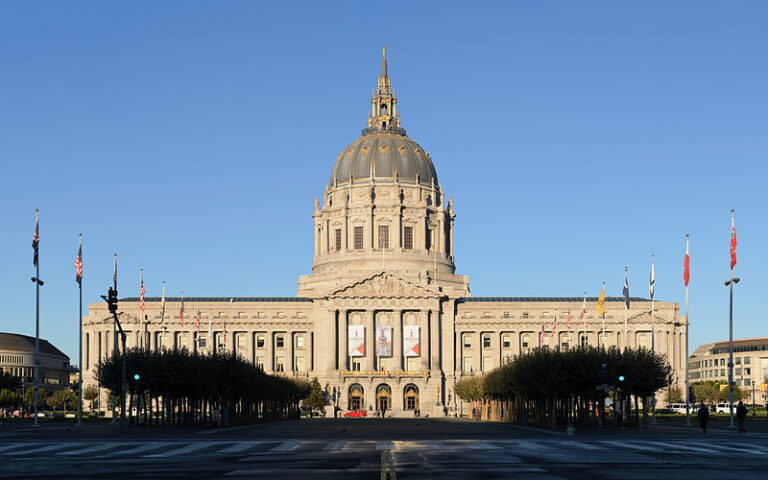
{"points": [[604, 373], [136, 376], [620, 373], [111, 300]]}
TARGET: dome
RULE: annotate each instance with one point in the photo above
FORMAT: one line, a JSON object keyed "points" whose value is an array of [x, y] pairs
{"points": [[384, 156]]}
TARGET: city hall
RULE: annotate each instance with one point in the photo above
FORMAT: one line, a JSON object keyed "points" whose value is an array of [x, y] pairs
{"points": [[383, 320]]}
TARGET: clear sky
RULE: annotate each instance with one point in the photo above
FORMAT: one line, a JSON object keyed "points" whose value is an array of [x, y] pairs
{"points": [[192, 137]]}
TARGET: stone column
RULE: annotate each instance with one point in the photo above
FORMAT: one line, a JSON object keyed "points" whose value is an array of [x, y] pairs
{"points": [[269, 362], [290, 336], [309, 349], [397, 340], [343, 346], [434, 335], [477, 352], [370, 350], [424, 340]]}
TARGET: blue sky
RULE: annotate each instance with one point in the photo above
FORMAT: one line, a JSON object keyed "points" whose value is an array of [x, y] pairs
{"points": [[192, 138]]}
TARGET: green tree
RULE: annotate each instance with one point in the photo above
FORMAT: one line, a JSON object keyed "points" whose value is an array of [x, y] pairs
{"points": [[29, 398], [706, 392], [90, 394], [724, 395], [9, 381], [674, 395], [316, 398], [62, 399], [9, 398]]}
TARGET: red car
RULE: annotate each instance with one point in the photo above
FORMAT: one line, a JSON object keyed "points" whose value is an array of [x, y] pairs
{"points": [[355, 414]]}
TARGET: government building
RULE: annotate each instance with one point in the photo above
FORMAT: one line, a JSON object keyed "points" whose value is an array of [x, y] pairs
{"points": [[383, 321], [17, 358]]}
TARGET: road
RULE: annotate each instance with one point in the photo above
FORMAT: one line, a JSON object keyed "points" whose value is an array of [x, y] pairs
{"points": [[376, 448]]}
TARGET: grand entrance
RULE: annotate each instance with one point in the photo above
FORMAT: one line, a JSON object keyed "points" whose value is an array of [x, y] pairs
{"points": [[356, 397], [383, 397], [411, 397]]}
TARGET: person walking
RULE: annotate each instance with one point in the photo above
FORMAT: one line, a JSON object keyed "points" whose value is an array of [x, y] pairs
{"points": [[741, 414], [703, 417]]}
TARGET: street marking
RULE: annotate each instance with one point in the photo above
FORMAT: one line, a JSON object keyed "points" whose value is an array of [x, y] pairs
{"points": [[482, 446], [738, 449], [178, 451], [17, 445], [385, 445], [240, 447], [585, 446], [49, 448], [335, 446], [685, 447], [144, 448], [630, 445], [287, 446], [529, 444], [97, 448]]}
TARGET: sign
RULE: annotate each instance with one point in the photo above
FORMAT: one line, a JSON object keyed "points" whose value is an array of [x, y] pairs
{"points": [[384, 341], [411, 341], [356, 340]]}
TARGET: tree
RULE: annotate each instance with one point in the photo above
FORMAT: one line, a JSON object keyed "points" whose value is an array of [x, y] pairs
{"points": [[706, 392], [724, 395], [29, 398], [61, 399], [91, 393], [674, 395], [316, 398], [9, 398], [10, 382]]}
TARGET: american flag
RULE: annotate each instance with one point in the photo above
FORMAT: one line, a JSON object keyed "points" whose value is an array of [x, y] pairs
{"points": [[225, 332], [142, 291], [36, 239], [569, 321], [181, 311], [79, 264], [197, 320], [583, 309], [554, 326]]}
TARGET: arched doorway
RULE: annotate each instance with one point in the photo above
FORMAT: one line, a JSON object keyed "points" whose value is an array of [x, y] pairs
{"points": [[411, 397], [383, 397], [356, 397]]}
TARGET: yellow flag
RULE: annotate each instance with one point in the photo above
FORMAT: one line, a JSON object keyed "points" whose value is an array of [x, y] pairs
{"points": [[600, 305]]}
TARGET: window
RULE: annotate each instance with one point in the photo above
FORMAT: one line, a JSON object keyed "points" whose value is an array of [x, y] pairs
{"points": [[240, 340], [300, 341], [487, 364], [747, 382], [486, 341], [429, 239], [506, 341], [357, 365], [383, 236], [746, 361], [300, 364], [202, 341], [722, 362], [279, 341], [260, 341], [338, 239], [280, 364], [722, 372], [358, 238], [584, 340], [467, 341], [408, 238], [466, 365], [738, 360], [747, 371]]}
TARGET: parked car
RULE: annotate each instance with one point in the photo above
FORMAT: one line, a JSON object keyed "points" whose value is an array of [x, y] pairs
{"points": [[724, 408], [355, 414], [680, 408]]}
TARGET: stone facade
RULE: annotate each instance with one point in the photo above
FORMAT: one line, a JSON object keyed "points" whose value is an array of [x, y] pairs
{"points": [[383, 265]]}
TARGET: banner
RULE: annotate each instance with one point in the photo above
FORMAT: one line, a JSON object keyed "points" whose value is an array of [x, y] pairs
{"points": [[411, 340], [356, 340], [384, 341]]}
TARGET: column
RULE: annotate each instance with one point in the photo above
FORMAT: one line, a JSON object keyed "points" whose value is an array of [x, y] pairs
{"points": [[370, 350], [289, 366], [477, 352], [309, 347], [434, 347], [343, 345], [397, 340], [425, 340], [269, 362]]}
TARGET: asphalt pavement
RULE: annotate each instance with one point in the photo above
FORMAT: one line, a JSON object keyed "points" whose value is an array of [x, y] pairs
{"points": [[385, 449]]}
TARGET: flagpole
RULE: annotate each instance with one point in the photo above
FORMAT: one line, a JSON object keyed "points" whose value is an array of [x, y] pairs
{"points": [[37, 311], [80, 323], [687, 387], [141, 313], [584, 319], [626, 335], [603, 319], [653, 333], [730, 283], [114, 343]]}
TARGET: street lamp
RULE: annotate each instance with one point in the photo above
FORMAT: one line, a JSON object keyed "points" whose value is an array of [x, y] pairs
{"points": [[730, 283]]}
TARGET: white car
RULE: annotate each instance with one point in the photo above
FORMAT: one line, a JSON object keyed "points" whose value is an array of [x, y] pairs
{"points": [[680, 408], [724, 408]]}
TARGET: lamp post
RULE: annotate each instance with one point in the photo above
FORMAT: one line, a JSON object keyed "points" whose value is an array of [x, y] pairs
{"points": [[730, 283]]}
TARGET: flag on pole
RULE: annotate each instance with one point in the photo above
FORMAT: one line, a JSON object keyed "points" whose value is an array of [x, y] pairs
{"points": [[733, 243], [197, 320], [36, 240], [569, 320], [181, 310], [114, 278], [225, 331], [142, 291], [686, 265], [554, 326], [600, 305], [162, 313], [626, 289], [79, 264], [583, 309], [210, 331], [652, 280], [541, 335]]}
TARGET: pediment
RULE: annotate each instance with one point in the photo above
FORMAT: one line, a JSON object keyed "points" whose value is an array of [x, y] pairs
{"points": [[384, 285]]}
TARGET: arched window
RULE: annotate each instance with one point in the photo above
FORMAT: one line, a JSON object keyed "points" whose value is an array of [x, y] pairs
{"points": [[411, 397], [383, 397], [356, 397], [383, 109]]}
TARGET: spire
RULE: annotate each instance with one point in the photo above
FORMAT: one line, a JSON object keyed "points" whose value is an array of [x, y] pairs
{"points": [[384, 62]]}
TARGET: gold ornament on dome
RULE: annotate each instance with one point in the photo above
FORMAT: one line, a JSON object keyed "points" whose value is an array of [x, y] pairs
{"points": [[383, 148], [402, 151], [365, 150]]}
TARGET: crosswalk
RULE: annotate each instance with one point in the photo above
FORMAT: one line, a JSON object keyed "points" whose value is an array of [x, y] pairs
{"points": [[544, 448]]}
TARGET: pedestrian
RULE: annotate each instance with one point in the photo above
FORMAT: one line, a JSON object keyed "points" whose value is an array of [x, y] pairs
{"points": [[703, 417], [741, 414]]}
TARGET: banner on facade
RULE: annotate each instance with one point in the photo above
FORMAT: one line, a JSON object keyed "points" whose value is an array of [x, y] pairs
{"points": [[411, 340], [384, 341], [356, 340]]}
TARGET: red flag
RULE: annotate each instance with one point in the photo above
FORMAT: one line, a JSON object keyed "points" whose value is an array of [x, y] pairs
{"points": [[733, 243], [142, 291], [686, 265], [79, 264]]}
